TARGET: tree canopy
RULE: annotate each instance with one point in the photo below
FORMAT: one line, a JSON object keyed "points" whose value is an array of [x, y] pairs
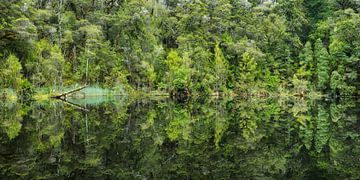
{"points": [[222, 45]]}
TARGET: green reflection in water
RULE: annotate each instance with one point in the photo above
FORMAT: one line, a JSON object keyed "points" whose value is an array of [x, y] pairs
{"points": [[120, 138]]}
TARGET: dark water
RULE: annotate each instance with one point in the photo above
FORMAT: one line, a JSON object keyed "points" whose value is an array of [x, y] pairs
{"points": [[164, 139]]}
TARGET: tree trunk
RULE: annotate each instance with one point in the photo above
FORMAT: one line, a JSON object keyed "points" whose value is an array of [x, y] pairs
{"points": [[64, 95]]}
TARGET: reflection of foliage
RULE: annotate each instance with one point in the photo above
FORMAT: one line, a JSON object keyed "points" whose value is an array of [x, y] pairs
{"points": [[322, 134], [179, 126], [162, 139], [221, 124], [10, 120]]}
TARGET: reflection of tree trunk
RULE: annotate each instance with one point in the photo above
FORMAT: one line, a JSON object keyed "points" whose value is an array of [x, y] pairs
{"points": [[75, 105]]}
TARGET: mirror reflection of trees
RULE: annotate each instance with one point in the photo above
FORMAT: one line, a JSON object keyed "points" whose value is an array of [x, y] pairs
{"points": [[243, 138]]}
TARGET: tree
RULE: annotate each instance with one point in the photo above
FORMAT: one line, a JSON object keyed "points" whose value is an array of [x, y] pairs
{"points": [[323, 66], [318, 10], [307, 63], [149, 73], [247, 68], [344, 48], [277, 43], [336, 82], [179, 72], [134, 32], [48, 66], [10, 73], [345, 4], [221, 69], [294, 12], [305, 73]]}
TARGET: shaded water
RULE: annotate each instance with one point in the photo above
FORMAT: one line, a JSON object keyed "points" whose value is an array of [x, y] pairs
{"points": [[164, 139]]}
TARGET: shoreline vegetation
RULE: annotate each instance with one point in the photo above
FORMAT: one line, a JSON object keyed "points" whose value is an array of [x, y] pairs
{"points": [[180, 49], [77, 93]]}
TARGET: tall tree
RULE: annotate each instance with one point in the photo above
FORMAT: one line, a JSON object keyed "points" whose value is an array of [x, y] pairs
{"points": [[221, 69], [307, 63], [179, 72], [323, 65], [10, 73]]}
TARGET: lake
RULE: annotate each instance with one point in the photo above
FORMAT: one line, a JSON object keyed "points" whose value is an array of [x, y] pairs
{"points": [[204, 138]]}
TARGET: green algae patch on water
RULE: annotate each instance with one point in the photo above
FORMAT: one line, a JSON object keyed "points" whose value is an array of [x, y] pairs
{"points": [[84, 93]]}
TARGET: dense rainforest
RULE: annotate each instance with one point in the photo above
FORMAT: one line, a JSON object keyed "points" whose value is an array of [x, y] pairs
{"points": [[179, 89], [246, 47]]}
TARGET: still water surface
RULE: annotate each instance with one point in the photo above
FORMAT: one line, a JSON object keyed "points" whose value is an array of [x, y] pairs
{"points": [[164, 139]]}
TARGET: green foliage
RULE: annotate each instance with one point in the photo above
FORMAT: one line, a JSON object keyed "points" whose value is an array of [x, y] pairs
{"points": [[318, 10], [307, 63], [247, 68], [221, 68], [48, 66], [300, 85], [179, 72], [269, 138], [336, 82], [231, 46], [322, 133], [10, 73], [323, 66], [294, 13]]}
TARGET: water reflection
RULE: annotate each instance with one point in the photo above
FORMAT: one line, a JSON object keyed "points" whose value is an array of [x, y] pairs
{"points": [[204, 138]]}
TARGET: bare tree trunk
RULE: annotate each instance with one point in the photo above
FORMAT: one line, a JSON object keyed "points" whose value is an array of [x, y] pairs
{"points": [[59, 19], [87, 66], [63, 95]]}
